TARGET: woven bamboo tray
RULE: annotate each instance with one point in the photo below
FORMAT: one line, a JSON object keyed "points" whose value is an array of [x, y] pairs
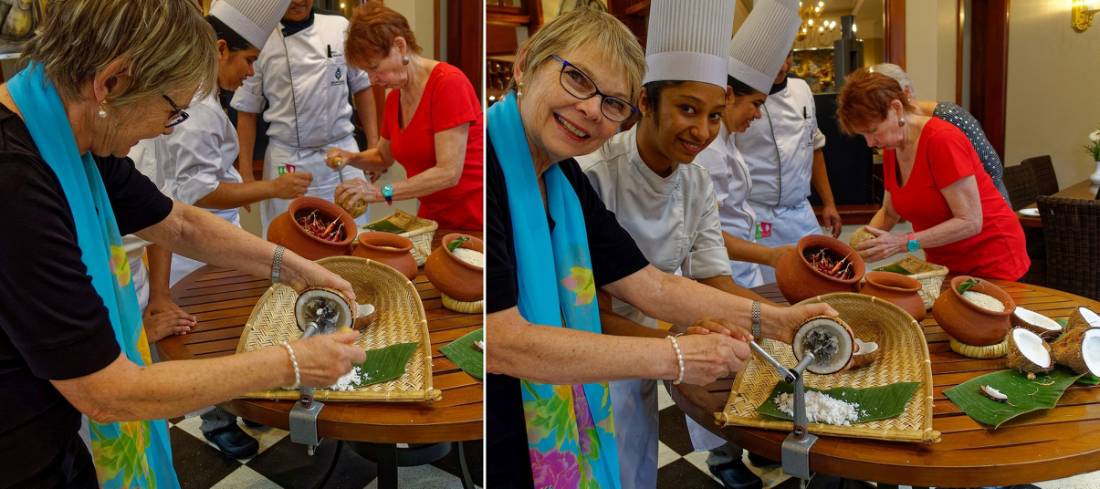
{"points": [[903, 358], [399, 318], [928, 274], [420, 231]]}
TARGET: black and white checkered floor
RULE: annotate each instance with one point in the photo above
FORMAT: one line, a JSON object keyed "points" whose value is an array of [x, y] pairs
{"points": [[680, 467], [283, 464]]}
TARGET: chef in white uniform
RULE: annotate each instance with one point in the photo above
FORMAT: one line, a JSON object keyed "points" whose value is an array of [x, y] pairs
{"points": [[302, 85], [780, 152], [194, 164], [666, 203]]}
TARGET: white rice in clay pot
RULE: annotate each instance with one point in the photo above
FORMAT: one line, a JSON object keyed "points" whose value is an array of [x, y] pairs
{"points": [[472, 257], [984, 301], [821, 408]]}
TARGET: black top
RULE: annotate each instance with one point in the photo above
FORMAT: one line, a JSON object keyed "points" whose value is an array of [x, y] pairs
{"points": [[970, 126], [614, 256], [53, 324]]}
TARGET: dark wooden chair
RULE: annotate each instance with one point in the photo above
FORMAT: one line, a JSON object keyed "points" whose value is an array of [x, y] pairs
{"points": [[1042, 168], [1072, 234], [1020, 183]]}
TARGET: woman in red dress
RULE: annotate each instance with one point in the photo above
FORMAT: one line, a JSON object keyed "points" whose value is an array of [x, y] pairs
{"points": [[934, 179], [432, 125]]}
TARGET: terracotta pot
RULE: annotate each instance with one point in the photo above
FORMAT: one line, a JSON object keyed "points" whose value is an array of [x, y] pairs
{"points": [[969, 323], [456, 278], [799, 280], [389, 249], [286, 231], [897, 289]]}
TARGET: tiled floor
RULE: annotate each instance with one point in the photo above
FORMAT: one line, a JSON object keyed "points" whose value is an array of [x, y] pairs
{"points": [[283, 464]]}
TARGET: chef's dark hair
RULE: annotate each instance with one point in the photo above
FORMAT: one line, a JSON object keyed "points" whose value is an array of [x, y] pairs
{"points": [[653, 89], [233, 40], [740, 89]]}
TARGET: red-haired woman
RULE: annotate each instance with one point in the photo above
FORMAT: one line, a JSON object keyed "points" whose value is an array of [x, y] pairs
{"points": [[433, 124], [934, 179]]}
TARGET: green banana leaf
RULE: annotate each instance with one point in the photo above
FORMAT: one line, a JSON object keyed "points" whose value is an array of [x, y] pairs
{"points": [[895, 268], [465, 355], [385, 227], [386, 364], [874, 403], [1024, 396]]}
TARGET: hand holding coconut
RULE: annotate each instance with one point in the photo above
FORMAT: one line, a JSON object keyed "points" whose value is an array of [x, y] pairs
{"points": [[353, 191], [785, 321], [882, 245]]}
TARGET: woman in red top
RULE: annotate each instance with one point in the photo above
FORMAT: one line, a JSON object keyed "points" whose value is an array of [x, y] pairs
{"points": [[432, 124], [935, 180]]}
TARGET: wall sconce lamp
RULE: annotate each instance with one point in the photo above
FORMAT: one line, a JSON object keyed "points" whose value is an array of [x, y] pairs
{"points": [[1083, 10]]}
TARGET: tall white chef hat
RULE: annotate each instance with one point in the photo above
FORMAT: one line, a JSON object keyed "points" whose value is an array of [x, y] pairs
{"points": [[254, 20], [761, 45], [687, 40]]}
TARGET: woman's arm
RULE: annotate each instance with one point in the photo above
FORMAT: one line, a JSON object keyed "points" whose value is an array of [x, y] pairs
{"points": [[229, 195], [124, 391], [567, 356], [246, 136], [683, 302], [747, 251], [966, 221]]}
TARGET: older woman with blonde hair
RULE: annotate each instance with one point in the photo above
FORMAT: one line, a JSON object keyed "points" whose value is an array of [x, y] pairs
{"points": [[935, 180], [102, 75], [552, 243]]}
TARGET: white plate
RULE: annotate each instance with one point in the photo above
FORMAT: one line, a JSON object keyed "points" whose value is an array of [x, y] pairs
{"points": [[1029, 212]]}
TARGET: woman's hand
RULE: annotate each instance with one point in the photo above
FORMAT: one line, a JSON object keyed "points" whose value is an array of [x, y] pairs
{"points": [[304, 274], [788, 319], [882, 246], [337, 158], [720, 326], [709, 357], [775, 254], [352, 191], [323, 359], [165, 323], [291, 185]]}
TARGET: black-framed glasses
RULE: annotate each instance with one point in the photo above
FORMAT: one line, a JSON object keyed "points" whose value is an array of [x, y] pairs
{"points": [[177, 116], [578, 84]]}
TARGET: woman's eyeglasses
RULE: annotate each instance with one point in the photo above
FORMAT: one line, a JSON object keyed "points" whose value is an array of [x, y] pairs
{"points": [[177, 116], [578, 84]]}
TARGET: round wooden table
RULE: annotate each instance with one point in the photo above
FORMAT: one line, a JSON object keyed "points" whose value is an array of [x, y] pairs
{"points": [[1038, 446], [223, 298]]}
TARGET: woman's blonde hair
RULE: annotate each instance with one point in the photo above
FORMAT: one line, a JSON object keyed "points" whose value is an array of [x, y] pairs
{"points": [[166, 43], [586, 26]]}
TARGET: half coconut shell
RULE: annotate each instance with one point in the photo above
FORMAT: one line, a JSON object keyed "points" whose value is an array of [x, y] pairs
{"points": [[1083, 317], [1047, 328], [1079, 349], [867, 352], [1027, 352], [829, 339]]}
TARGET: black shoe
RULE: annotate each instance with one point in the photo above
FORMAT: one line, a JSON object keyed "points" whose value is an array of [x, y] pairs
{"points": [[252, 424], [233, 441], [734, 475], [761, 461]]}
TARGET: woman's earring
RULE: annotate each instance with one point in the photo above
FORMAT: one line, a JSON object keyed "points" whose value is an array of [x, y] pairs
{"points": [[519, 89], [901, 122], [102, 112], [405, 60]]}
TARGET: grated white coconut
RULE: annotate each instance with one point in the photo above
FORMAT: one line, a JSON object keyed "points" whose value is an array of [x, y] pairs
{"points": [[349, 382], [821, 408], [984, 301], [473, 257]]}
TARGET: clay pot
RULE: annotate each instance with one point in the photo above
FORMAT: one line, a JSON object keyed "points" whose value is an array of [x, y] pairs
{"points": [[897, 289], [459, 280], [389, 249], [799, 280], [967, 322], [286, 231]]}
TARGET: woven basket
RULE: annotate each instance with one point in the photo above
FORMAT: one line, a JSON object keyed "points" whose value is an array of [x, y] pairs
{"points": [[419, 230], [903, 358], [400, 318], [928, 274], [464, 307]]}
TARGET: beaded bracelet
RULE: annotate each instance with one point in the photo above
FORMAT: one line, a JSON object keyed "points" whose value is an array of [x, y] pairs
{"points": [[679, 359], [293, 363]]}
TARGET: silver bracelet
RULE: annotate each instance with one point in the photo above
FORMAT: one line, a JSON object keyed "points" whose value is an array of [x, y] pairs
{"points": [[757, 333], [679, 359], [293, 363], [277, 264]]}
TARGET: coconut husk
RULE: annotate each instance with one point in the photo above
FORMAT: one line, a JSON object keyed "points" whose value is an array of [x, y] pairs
{"points": [[1078, 319], [861, 235], [1067, 350], [1015, 359], [867, 352]]}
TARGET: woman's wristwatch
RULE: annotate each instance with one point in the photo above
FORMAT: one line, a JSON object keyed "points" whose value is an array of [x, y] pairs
{"points": [[757, 330], [387, 193]]}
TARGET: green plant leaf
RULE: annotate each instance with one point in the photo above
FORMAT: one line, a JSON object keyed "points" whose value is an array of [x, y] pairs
{"points": [[965, 286], [465, 355], [454, 244], [1024, 396], [386, 364], [873, 403], [385, 227]]}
